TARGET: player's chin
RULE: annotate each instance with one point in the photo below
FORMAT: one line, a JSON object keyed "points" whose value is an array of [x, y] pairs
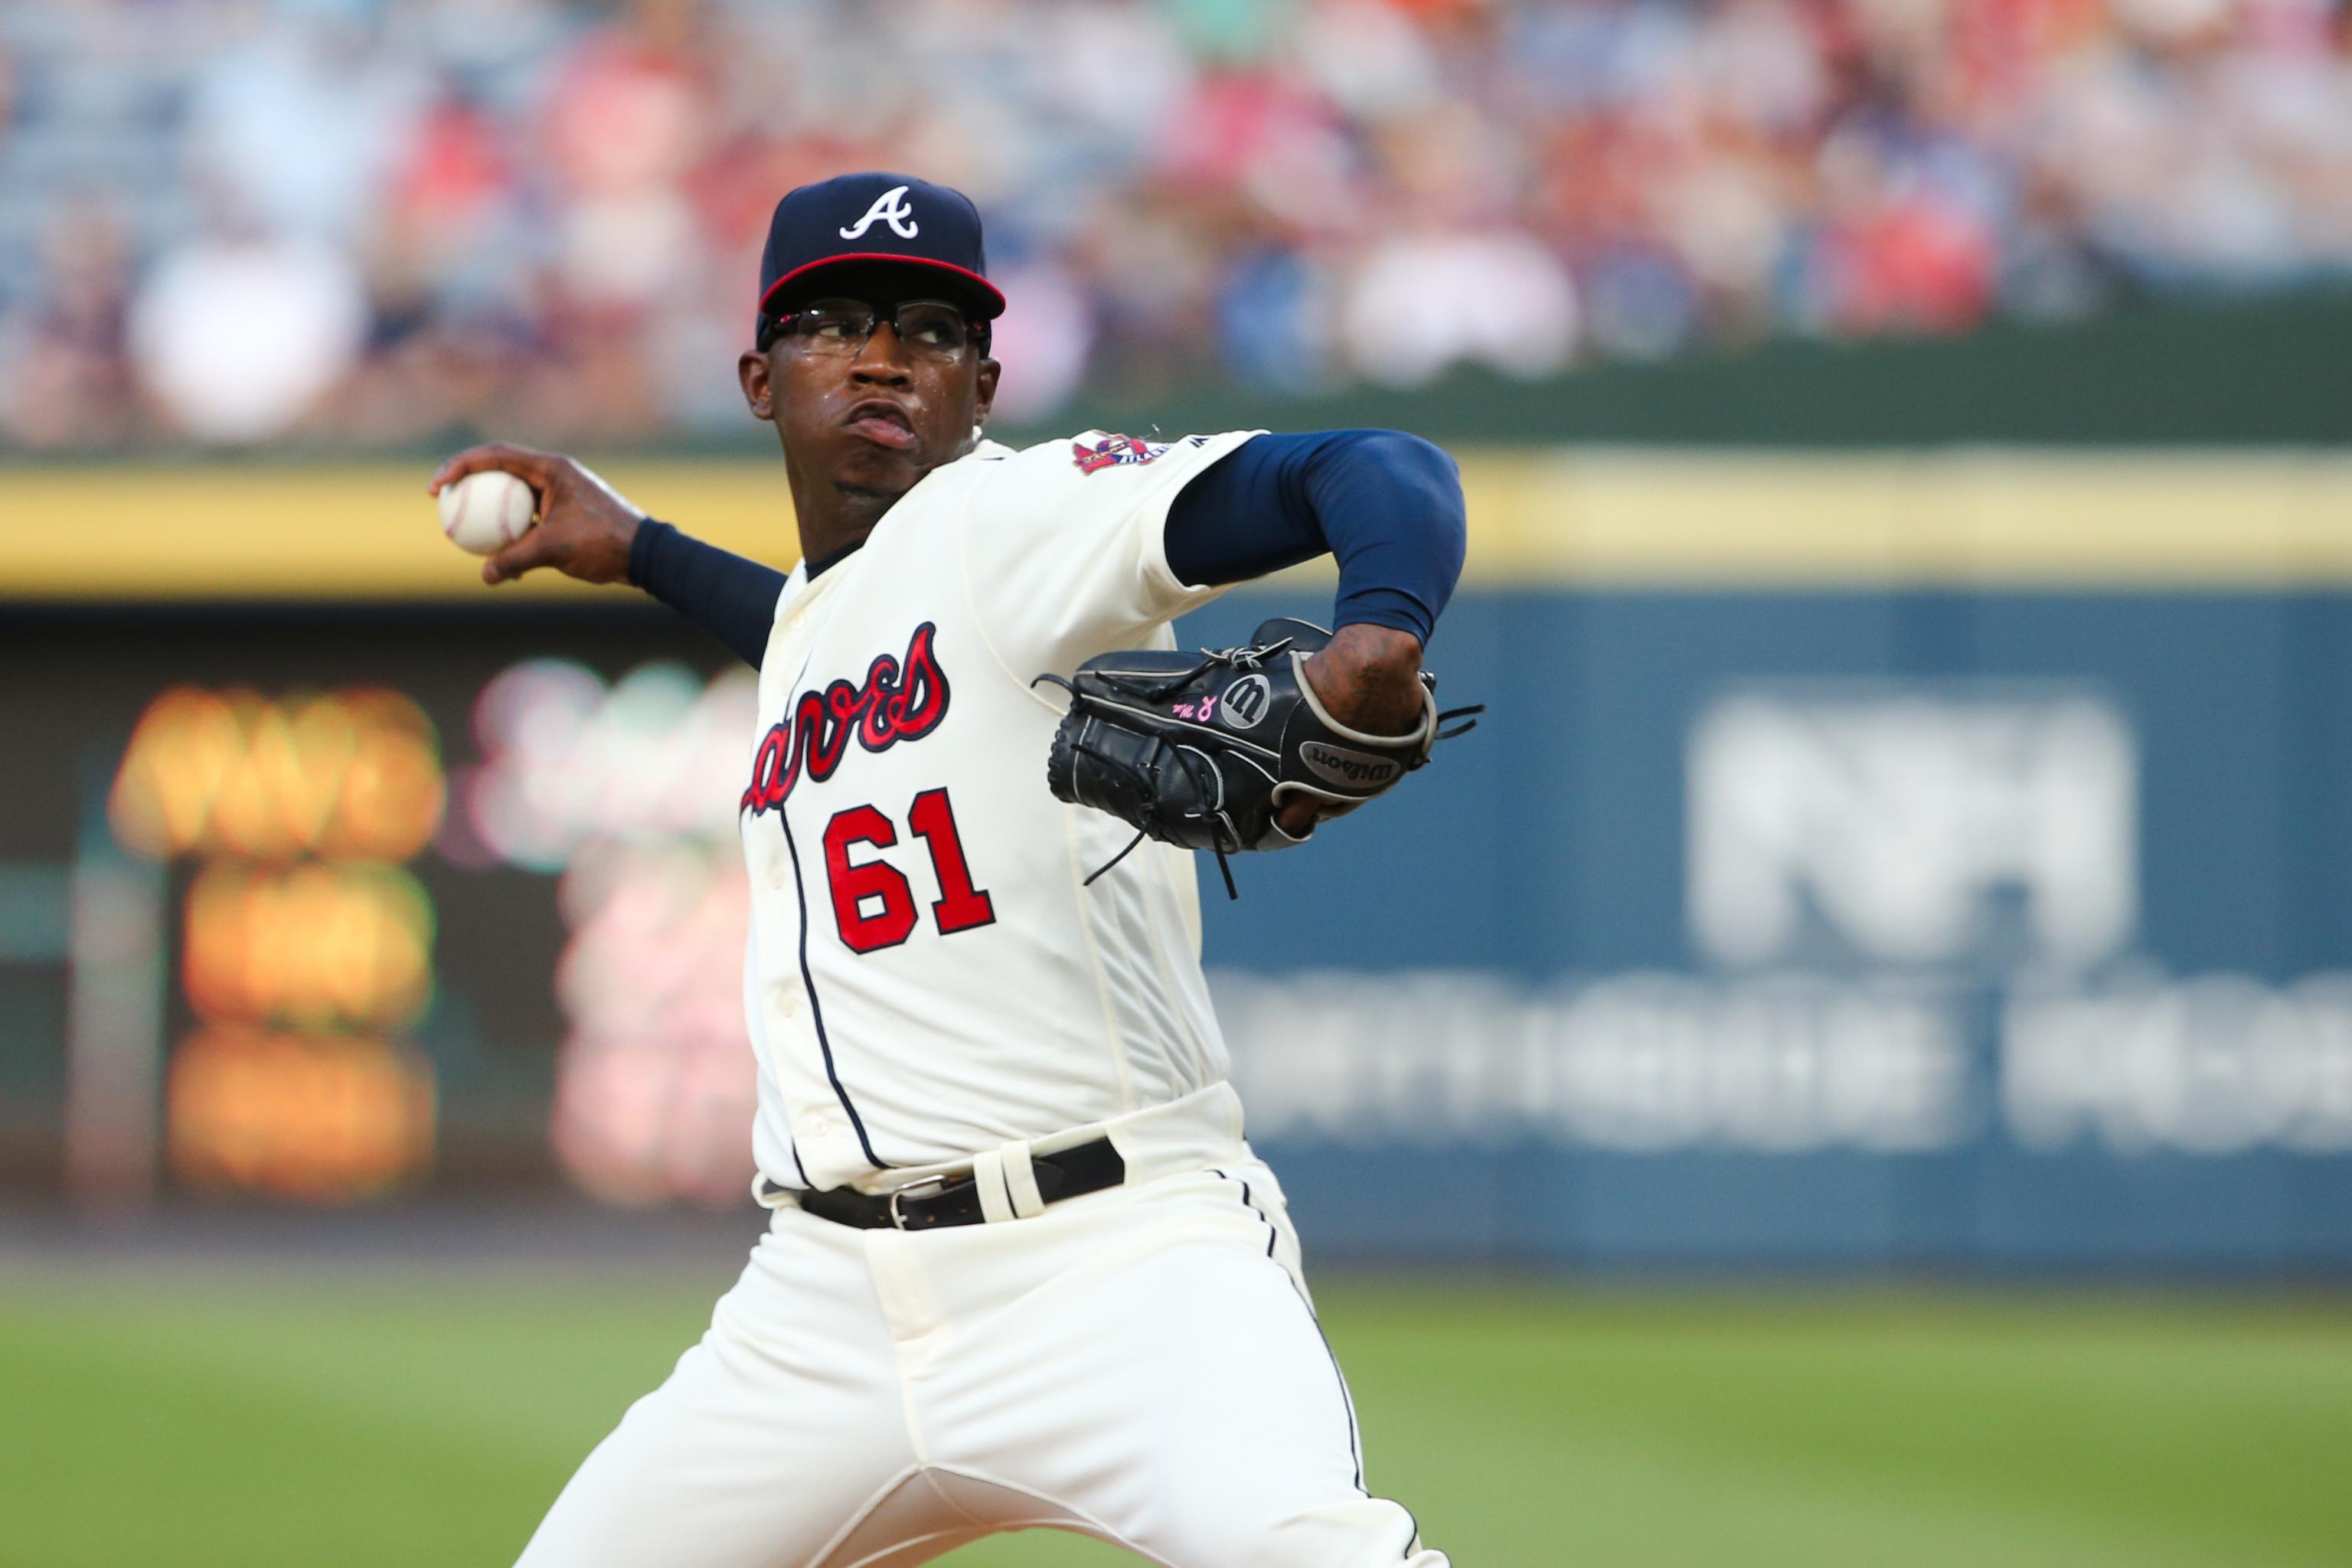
{"points": [[864, 467], [876, 481]]}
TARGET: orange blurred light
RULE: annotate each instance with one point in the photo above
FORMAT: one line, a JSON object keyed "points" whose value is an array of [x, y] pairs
{"points": [[326, 1119], [320, 946], [274, 802], [354, 773], [180, 754], [392, 789]]}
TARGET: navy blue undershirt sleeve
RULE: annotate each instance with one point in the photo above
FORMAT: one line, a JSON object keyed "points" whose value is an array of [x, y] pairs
{"points": [[1387, 505], [732, 599]]}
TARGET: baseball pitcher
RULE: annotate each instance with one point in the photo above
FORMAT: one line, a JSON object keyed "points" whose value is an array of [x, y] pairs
{"points": [[1022, 1267]]}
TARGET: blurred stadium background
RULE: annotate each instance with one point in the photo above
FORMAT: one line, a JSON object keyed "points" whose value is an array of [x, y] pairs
{"points": [[1853, 1064]]}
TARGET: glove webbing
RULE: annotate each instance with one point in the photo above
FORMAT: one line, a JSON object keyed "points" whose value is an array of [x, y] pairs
{"points": [[1191, 760]]}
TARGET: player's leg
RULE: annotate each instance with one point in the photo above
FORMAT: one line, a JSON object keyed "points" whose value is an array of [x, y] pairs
{"points": [[1172, 1392], [777, 1439]]}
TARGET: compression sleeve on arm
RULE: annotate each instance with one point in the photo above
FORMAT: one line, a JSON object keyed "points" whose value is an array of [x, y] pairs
{"points": [[732, 599], [1387, 505]]}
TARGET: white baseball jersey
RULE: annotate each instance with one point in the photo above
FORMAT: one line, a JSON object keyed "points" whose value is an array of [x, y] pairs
{"points": [[928, 975]]}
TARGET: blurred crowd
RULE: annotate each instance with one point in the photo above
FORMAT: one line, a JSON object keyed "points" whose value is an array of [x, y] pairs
{"points": [[375, 222]]}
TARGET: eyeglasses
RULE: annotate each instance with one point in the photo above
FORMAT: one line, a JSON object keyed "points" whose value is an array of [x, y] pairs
{"points": [[926, 329]]}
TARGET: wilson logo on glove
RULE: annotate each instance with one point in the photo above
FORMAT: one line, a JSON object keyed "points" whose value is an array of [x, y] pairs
{"points": [[1246, 700], [1338, 766]]}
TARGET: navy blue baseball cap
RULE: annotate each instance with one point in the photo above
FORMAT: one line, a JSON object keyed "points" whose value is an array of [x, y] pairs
{"points": [[878, 217]]}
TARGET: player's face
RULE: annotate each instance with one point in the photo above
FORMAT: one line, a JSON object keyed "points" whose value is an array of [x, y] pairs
{"points": [[870, 419]]}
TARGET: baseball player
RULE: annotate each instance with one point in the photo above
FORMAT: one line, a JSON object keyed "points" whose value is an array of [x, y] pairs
{"points": [[1023, 1269]]}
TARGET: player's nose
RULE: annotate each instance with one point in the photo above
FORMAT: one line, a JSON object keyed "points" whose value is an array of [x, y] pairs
{"points": [[884, 357]]}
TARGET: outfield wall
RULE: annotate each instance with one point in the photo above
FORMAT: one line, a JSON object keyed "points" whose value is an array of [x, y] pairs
{"points": [[1600, 518], [1930, 860], [1932, 927]]}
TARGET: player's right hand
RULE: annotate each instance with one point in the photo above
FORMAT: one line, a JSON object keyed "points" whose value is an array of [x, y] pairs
{"points": [[584, 526]]}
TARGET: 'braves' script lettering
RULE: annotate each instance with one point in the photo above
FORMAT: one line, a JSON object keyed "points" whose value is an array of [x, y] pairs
{"points": [[899, 700]]}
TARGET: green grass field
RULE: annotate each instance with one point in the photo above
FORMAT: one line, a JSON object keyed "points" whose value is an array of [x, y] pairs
{"points": [[158, 1420]]}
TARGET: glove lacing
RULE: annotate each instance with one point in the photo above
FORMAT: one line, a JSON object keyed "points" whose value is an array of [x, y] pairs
{"points": [[1222, 832], [1220, 828], [1458, 731]]}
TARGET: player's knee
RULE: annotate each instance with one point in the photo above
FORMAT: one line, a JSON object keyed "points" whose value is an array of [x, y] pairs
{"points": [[1365, 1533]]}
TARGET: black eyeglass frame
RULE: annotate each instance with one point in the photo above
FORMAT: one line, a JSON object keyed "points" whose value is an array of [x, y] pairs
{"points": [[772, 327]]}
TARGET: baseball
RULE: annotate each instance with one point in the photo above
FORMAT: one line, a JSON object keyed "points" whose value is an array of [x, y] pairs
{"points": [[485, 512]]}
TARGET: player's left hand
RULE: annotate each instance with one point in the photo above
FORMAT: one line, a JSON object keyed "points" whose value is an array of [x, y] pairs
{"points": [[584, 526], [1368, 677], [1248, 748]]}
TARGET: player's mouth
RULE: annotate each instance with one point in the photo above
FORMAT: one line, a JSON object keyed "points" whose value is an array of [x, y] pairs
{"points": [[882, 422]]}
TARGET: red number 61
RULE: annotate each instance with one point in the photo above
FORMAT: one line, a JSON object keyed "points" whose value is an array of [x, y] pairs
{"points": [[959, 906]]}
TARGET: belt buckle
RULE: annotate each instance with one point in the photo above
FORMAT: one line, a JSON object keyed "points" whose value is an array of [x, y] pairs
{"points": [[929, 1187]]}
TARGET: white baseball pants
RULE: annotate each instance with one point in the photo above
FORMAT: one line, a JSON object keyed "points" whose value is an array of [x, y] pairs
{"points": [[1141, 1364]]}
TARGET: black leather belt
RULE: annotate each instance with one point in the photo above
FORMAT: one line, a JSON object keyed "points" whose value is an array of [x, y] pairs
{"points": [[955, 1199]]}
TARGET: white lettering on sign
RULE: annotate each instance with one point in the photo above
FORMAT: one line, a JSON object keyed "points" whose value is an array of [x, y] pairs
{"points": [[1890, 821], [2212, 1064], [1789, 1063], [1642, 1062], [569, 763]]}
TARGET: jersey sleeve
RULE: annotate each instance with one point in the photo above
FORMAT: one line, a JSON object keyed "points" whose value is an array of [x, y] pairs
{"points": [[1064, 548]]}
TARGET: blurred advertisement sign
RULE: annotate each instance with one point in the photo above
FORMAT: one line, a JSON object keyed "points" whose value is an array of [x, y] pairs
{"points": [[352, 774], [324, 946], [2217, 1065], [654, 1092], [1792, 1062], [622, 789], [1672, 961], [306, 950], [1883, 822], [1640, 1063], [259, 992], [322, 1117], [1931, 854], [570, 762]]}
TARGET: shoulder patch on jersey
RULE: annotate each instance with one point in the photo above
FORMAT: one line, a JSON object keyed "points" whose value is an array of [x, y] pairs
{"points": [[1107, 451]]}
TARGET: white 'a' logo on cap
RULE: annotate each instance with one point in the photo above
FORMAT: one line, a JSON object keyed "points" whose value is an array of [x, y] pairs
{"points": [[889, 207]]}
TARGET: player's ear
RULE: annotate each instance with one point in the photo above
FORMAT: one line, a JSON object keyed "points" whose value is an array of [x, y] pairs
{"points": [[758, 390], [985, 393]]}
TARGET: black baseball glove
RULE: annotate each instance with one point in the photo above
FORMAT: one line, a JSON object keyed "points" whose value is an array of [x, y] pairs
{"points": [[1202, 749]]}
